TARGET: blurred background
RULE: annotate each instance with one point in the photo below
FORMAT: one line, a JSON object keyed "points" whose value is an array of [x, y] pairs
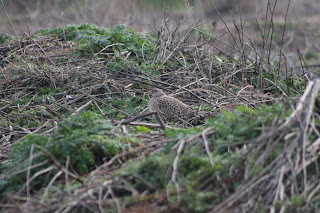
{"points": [[147, 15], [140, 14]]}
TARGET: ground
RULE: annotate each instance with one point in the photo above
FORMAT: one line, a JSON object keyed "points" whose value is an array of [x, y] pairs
{"points": [[69, 96]]}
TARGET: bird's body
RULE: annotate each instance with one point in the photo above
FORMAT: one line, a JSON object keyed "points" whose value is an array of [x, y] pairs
{"points": [[169, 108]]}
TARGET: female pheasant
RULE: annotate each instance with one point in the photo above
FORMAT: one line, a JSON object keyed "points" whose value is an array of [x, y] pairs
{"points": [[169, 108]]}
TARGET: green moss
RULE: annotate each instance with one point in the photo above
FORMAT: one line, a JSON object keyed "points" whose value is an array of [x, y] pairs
{"points": [[180, 133], [92, 39], [194, 201], [245, 123], [150, 172], [131, 105], [87, 139], [142, 129], [195, 167], [5, 38]]}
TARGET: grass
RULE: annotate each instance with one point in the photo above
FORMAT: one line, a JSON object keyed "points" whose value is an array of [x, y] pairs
{"points": [[67, 92]]}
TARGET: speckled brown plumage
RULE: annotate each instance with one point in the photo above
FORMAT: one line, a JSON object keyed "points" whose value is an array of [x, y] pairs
{"points": [[169, 108]]}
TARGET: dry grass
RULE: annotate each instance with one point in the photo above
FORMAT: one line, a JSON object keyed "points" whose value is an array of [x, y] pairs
{"points": [[246, 72]]}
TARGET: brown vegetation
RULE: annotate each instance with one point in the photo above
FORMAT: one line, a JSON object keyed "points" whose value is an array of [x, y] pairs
{"points": [[259, 153]]}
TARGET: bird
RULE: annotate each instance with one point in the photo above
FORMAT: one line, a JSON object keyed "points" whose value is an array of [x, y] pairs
{"points": [[168, 107]]}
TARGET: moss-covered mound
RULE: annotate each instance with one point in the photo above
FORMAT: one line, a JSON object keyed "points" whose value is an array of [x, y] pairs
{"points": [[92, 39], [75, 137]]}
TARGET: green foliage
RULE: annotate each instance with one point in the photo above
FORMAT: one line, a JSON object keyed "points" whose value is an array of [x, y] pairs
{"points": [[150, 68], [194, 170], [312, 57], [298, 204], [5, 38], [44, 91], [143, 129], [154, 174], [244, 123], [31, 111], [197, 201], [59, 190], [194, 163], [122, 41], [138, 67], [92, 38], [150, 172], [87, 139], [296, 201], [195, 167], [180, 133], [33, 118], [132, 105], [19, 156]]}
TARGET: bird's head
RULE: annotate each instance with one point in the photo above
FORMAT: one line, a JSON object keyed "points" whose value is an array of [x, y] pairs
{"points": [[155, 92]]}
